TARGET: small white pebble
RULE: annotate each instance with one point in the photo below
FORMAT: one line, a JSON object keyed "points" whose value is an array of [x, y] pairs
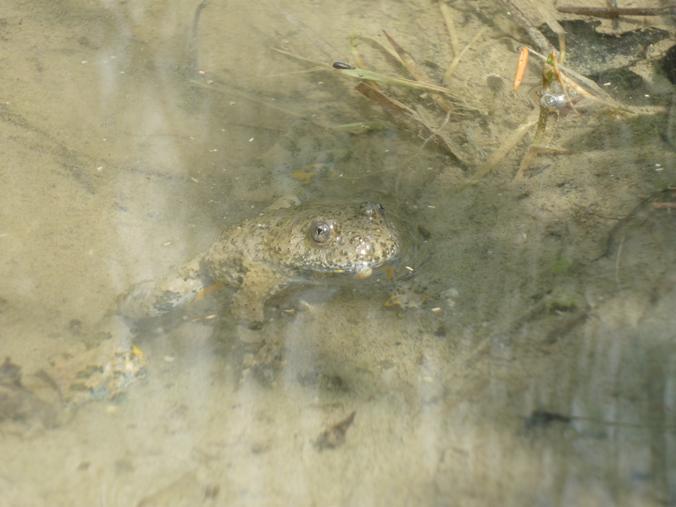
{"points": [[409, 268], [99, 168], [251, 139], [201, 72], [304, 305], [607, 83], [646, 95], [83, 62], [213, 150], [211, 316], [169, 359], [167, 243], [436, 309]]}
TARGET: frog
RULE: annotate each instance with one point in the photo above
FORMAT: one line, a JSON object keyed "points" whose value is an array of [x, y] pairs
{"points": [[257, 258], [264, 254]]}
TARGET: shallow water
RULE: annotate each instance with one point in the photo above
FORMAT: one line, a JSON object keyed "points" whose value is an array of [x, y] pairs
{"points": [[528, 356]]}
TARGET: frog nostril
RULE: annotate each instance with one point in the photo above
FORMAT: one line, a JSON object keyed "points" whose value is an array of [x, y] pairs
{"points": [[370, 209]]}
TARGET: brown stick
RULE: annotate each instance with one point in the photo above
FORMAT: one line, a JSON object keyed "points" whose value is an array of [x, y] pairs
{"points": [[616, 12]]}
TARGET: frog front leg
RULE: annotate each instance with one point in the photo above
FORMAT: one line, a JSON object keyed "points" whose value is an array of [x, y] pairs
{"points": [[259, 282]]}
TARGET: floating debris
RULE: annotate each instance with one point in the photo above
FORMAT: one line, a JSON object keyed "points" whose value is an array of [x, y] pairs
{"points": [[334, 436]]}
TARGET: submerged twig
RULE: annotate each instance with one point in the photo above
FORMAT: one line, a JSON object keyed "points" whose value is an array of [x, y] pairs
{"points": [[192, 45], [616, 12]]}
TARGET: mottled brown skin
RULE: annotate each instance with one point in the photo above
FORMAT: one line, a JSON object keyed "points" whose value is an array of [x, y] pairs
{"points": [[262, 255]]}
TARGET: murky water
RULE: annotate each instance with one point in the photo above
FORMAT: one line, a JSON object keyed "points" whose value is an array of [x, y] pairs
{"points": [[523, 351]]}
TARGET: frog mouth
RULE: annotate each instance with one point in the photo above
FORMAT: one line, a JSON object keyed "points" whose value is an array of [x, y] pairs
{"points": [[363, 274]]}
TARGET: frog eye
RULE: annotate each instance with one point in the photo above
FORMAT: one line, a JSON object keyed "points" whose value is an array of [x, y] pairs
{"points": [[320, 231]]}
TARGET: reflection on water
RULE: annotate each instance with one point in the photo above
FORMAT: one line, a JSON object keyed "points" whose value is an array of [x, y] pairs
{"points": [[522, 352]]}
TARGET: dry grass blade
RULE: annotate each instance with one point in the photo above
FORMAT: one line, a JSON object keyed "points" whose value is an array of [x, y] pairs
{"points": [[412, 67], [378, 45], [540, 143], [369, 75], [407, 60], [222, 89], [301, 58], [506, 147], [397, 108], [450, 26], [379, 97], [456, 61], [360, 127], [356, 55], [528, 17]]}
